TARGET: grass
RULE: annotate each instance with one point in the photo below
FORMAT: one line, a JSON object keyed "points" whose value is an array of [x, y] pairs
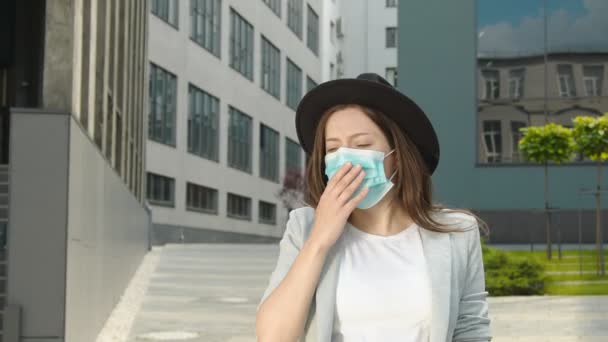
{"points": [[569, 262]]}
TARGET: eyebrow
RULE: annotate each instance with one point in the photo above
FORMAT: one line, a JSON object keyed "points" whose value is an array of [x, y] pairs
{"points": [[352, 136]]}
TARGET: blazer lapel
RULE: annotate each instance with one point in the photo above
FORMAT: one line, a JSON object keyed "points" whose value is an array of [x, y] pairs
{"points": [[437, 252]]}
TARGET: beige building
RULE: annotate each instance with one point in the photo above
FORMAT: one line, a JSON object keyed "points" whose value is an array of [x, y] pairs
{"points": [[511, 95]]}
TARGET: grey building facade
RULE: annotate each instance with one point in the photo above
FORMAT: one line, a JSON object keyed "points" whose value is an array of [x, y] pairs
{"points": [[75, 226]]}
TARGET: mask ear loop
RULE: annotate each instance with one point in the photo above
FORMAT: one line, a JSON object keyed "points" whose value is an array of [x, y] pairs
{"points": [[394, 173]]}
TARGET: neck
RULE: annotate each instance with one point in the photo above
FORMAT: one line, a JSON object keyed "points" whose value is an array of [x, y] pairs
{"points": [[388, 217]]}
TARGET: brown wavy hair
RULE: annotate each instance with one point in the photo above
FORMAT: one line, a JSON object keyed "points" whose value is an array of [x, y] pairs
{"points": [[413, 181]]}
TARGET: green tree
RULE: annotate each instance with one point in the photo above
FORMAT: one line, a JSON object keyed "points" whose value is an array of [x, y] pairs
{"points": [[543, 144], [591, 138]]}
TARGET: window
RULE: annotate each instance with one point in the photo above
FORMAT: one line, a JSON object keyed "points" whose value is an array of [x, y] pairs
{"points": [[167, 10], [269, 153], [163, 89], [391, 3], [332, 71], [492, 140], [160, 190], [516, 83], [241, 45], [294, 16], [332, 32], [271, 68], [312, 34], [275, 6], [267, 212], [565, 80], [294, 84], [293, 157], [201, 198], [310, 83], [391, 37], [491, 85], [516, 135], [203, 126], [391, 76], [593, 79], [239, 140], [205, 24], [239, 207]]}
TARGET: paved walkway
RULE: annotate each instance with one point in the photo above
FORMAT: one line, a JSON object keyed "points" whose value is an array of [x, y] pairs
{"points": [[209, 292]]}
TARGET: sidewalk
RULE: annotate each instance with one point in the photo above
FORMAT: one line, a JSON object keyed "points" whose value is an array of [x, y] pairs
{"points": [[209, 292]]}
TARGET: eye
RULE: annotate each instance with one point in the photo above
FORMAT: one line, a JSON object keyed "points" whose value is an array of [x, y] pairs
{"points": [[363, 145]]}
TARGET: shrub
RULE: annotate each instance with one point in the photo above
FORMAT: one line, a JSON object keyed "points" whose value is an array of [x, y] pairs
{"points": [[507, 275]]}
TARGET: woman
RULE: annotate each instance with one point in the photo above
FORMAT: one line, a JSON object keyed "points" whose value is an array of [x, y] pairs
{"points": [[372, 258]]}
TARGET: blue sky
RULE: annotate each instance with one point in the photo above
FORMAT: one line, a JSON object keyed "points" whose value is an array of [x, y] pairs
{"points": [[512, 11], [516, 27]]}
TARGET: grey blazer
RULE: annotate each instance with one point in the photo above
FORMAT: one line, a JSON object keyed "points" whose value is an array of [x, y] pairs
{"points": [[459, 307]]}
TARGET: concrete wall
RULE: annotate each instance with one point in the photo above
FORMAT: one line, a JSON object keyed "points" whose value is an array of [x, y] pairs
{"points": [[107, 238], [36, 272], [76, 233]]}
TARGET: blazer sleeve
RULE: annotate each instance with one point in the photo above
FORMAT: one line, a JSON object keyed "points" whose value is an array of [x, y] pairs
{"points": [[473, 323], [289, 248]]}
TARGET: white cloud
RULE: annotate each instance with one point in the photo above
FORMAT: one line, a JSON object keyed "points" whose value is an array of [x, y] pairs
{"points": [[586, 32]]}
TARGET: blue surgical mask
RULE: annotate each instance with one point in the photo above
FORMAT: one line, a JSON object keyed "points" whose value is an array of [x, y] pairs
{"points": [[372, 162]]}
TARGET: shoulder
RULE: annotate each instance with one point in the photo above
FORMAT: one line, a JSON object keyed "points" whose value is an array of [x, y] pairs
{"points": [[301, 220], [467, 227]]}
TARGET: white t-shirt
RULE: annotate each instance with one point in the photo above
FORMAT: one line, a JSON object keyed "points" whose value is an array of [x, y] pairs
{"points": [[383, 290]]}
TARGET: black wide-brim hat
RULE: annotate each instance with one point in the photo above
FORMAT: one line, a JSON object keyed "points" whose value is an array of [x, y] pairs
{"points": [[370, 90]]}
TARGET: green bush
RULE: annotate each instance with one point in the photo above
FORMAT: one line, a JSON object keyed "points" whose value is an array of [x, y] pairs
{"points": [[507, 275]]}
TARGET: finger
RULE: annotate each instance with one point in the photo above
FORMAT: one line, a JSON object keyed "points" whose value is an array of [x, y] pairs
{"points": [[346, 180], [351, 188], [352, 204], [338, 175]]}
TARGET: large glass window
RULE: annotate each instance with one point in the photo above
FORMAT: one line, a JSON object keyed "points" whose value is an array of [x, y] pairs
{"points": [[391, 37], [293, 157], [271, 68], [269, 153], [241, 45], [160, 190], [538, 61], [294, 16], [205, 24], [239, 140], [312, 34], [267, 213], [294, 84], [201, 198], [162, 105], [239, 207], [275, 6], [203, 123], [167, 10]]}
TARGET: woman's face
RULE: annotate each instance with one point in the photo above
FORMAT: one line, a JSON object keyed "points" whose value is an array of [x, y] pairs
{"points": [[351, 127]]}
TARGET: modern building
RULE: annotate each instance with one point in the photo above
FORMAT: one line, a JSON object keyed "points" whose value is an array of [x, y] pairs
{"points": [[368, 34], [225, 79], [482, 69], [73, 80]]}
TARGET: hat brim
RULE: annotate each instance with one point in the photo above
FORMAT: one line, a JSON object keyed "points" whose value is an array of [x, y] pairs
{"points": [[398, 107]]}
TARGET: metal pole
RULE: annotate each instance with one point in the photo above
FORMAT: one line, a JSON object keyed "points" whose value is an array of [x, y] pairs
{"points": [[580, 242], [559, 236]]}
